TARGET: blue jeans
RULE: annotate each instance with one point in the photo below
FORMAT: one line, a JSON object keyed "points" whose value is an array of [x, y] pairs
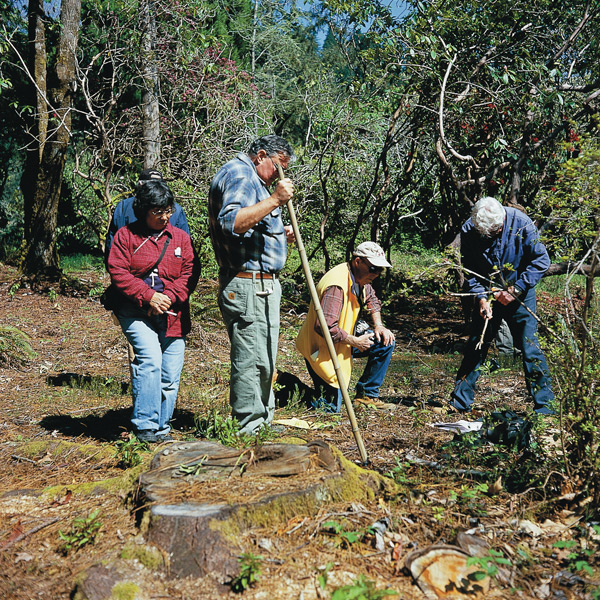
{"points": [[250, 309], [523, 327], [155, 371], [378, 361]]}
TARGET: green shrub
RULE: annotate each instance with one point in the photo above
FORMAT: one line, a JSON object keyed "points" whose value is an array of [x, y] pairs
{"points": [[361, 589], [84, 530], [250, 569]]}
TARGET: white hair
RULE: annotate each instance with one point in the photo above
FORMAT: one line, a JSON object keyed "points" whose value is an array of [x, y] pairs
{"points": [[487, 216]]}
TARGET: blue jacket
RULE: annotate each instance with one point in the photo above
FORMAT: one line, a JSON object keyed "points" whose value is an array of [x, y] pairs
{"points": [[515, 257], [123, 215]]}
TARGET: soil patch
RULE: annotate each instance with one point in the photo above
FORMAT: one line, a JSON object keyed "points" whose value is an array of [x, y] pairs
{"points": [[67, 408]]}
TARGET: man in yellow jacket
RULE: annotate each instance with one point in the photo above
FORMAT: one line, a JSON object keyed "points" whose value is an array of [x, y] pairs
{"points": [[343, 292]]}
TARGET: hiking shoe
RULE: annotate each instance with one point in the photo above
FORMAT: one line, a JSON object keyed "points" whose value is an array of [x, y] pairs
{"points": [[148, 436], [165, 437], [370, 402]]}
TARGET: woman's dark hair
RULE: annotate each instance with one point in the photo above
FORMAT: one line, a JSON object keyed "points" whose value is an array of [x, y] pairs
{"points": [[152, 194]]}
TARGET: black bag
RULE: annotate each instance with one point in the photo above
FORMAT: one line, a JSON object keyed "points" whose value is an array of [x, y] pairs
{"points": [[111, 298], [508, 429]]}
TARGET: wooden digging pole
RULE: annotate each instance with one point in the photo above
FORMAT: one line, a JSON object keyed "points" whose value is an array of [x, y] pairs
{"points": [[324, 328]]}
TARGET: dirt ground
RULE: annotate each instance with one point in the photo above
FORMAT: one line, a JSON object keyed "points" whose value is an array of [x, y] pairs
{"points": [[67, 407]]}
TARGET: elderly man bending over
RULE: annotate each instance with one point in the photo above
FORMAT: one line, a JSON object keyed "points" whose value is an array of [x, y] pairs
{"points": [[501, 249]]}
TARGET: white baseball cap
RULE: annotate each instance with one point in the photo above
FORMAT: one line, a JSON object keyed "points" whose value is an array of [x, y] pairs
{"points": [[373, 253]]}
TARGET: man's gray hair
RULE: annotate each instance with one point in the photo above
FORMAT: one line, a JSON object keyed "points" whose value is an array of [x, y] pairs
{"points": [[272, 144], [487, 216]]}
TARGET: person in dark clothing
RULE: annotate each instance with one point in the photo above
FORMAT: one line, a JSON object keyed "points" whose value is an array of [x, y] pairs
{"points": [[504, 260]]}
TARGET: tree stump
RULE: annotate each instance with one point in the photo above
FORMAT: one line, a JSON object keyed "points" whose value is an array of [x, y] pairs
{"points": [[200, 496]]}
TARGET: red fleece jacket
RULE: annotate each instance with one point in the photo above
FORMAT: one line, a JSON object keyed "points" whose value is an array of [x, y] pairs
{"points": [[132, 255]]}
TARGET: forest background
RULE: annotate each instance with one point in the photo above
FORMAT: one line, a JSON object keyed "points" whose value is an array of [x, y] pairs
{"points": [[401, 118]]}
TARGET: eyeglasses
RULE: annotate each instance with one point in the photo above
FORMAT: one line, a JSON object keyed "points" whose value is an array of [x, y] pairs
{"points": [[159, 212], [283, 162], [372, 268]]}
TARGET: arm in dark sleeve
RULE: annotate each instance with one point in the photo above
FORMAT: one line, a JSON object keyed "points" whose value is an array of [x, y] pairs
{"points": [[110, 235], [470, 261], [179, 220], [332, 302], [535, 258]]}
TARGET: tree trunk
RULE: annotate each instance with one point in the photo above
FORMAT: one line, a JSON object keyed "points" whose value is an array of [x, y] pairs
{"points": [[151, 112], [42, 178]]}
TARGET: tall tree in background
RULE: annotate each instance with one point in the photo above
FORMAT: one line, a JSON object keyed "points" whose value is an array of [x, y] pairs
{"points": [[150, 106], [474, 99], [51, 89]]}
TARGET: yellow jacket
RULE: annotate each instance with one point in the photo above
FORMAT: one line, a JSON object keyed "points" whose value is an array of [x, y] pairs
{"points": [[313, 346]]}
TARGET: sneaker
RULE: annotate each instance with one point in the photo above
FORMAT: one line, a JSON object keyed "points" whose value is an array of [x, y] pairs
{"points": [[165, 437], [148, 436]]}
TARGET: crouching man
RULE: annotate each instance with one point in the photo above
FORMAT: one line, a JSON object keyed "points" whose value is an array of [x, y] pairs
{"points": [[343, 291]]}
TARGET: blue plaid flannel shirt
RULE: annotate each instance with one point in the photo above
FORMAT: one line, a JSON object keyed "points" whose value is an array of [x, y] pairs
{"points": [[261, 248]]}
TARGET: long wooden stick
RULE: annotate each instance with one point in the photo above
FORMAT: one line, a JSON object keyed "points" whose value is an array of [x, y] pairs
{"points": [[324, 328]]}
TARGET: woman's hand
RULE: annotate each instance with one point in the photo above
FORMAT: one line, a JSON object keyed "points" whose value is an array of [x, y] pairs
{"points": [[159, 304]]}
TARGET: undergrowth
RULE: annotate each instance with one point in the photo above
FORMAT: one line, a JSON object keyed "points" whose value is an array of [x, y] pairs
{"points": [[15, 347]]}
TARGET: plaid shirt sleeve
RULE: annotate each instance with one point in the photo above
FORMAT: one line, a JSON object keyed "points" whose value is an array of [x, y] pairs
{"points": [[331, 304], [238, 193], [371, 300]]}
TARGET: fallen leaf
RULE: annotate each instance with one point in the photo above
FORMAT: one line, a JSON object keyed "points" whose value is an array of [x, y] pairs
{"points": [[16, 532], [66, 499], [298, 423], [23, 557], [496, 487]]}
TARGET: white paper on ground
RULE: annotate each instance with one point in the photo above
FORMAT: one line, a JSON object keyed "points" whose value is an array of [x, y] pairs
{"points": [[460, 426]]}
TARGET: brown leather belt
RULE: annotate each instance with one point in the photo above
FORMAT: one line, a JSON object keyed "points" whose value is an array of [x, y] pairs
{"points": [[257, 275]]}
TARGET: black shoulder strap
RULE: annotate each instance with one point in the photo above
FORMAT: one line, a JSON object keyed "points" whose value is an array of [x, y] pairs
{"points": [[159, 258]]}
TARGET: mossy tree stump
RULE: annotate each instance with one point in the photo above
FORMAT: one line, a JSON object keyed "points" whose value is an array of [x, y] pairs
{"points": [[200, 496]]}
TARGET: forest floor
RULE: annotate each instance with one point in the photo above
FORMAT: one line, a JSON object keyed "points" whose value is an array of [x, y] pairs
{"points": [[66, 408]]}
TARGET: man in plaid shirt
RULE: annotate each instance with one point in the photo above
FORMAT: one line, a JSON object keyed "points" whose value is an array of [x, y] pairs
{"points": [[250, 243]]}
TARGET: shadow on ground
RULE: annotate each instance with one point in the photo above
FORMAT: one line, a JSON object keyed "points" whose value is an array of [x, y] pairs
{"points": [[108, 426]]}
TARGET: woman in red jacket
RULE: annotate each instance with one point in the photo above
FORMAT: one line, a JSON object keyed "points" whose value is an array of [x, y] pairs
{"points": [[152, 265]]}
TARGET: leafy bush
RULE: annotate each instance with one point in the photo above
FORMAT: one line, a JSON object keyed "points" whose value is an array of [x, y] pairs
{"points": [[84, 530], [226, 430], [250, 569], [129, 451], [361, 589], [573, 349], [216, 427]]}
